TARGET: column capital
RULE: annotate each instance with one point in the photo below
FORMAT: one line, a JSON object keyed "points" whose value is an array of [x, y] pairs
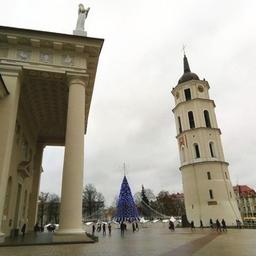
{"points": [[77, 78], [10, 70]]}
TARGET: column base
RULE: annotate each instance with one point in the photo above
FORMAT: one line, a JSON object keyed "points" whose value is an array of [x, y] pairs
{"points": [[2, 237], [71, 236]]}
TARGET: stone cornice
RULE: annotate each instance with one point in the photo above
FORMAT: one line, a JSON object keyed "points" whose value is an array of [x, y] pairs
{"points": [[42, 38], [192, 100], [190, 82], [203, 161], [197, 128]]}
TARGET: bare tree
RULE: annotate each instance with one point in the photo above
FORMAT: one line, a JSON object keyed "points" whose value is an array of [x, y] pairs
{"points": [[93, 202]]}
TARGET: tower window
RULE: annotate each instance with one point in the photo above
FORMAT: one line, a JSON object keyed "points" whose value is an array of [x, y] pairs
{"points": [[210, 194], [226, 175], [191, 119], [211, 146], [187, 94], [209, 176], [180, 127], [197, 152], [207, 119]]}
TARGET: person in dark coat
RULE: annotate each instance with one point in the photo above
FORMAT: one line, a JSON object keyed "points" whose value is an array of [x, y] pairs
{"points": [[201, 224], [211, 224], [93, 229], [109, 228], [171, 226], [37, 228], [133, 227], [224, 226], [137, 226], [122, 227], [192, 225], [218, 226], [23, 229], [104, 229]]}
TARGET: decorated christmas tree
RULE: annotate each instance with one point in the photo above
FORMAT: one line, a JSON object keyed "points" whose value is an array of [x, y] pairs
{"points": [[126, 208]]}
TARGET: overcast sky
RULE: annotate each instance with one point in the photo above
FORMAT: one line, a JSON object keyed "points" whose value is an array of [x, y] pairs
{"points": [[131, 117]]}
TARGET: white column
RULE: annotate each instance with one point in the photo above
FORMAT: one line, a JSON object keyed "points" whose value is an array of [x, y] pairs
{"points": [[72, 179], [33, 202], [8, 116]]}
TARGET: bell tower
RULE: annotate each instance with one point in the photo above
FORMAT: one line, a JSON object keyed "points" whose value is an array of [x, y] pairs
{"points": [[206, 182]]}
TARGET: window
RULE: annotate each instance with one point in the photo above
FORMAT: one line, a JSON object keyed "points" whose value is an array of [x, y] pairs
{"points": [[207, 119], [197, 152], [180, 127], [230, 194], [210, 194], [209, 176], [226, 175], [211, 146], [191, 120], [187, 94]]}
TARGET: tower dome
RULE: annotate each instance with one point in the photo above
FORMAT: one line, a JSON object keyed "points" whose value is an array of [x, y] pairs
{"points": [[188, 75]]}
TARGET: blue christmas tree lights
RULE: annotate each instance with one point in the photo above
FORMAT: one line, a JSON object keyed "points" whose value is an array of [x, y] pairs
{"points": [[126, 208]]}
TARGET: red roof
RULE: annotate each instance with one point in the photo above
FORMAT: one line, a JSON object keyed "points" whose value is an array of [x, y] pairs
{"points": [[243, 189]]}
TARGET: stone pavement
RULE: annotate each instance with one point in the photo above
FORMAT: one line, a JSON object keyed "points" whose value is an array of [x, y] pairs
{"points": [[151, 241]]}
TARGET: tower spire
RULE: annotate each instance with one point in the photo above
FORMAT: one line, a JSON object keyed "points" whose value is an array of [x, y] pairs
{"points": [[185, 63]]}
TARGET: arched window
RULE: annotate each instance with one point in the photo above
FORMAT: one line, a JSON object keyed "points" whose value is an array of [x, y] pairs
{"points": [[197, 152], [187, 94], [180, 127], [211, 147], [191, 119], [207, 119]]}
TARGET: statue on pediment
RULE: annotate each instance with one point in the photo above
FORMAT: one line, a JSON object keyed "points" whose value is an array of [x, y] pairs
{"points": [[82, 15]]}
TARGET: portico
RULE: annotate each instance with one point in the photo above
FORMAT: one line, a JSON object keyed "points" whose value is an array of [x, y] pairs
{"points": [[45, 96]]}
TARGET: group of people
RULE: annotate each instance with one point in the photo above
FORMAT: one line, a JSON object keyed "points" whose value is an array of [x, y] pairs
{"points": [[218, 226], [103, 227]]}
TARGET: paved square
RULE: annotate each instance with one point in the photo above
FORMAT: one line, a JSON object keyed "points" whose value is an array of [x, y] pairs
{"points": [[155, 240]]}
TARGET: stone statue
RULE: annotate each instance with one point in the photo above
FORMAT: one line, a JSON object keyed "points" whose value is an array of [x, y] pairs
{"points": [[82, 15]]}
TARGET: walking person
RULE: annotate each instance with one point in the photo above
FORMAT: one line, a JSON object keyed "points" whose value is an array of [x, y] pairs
{"points": [[133, 227], [137, 226], [122, 228], [192, 225], [93, 229], [201, 224], [23, 229], [171, 226], [218, 226], [211, 224], [109, 229], [224, 226], [36, 228], [104, 229]]}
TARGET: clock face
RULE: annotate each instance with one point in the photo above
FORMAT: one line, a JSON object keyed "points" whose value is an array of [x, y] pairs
{"points": [[177, 95], [200, 88]]}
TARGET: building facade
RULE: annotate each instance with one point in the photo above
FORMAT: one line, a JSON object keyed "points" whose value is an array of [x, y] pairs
{"points": [[46, 87], [246, 200], [206, 182]]}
